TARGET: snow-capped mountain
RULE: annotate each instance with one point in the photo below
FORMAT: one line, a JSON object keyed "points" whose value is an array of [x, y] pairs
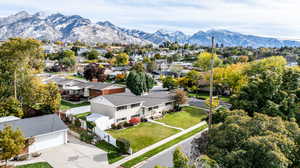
{"points": [[176, 36], [158, 37], [228, 38], [57, 26], [61, 27]]}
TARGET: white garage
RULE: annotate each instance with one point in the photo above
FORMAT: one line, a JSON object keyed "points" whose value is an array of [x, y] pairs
{"points": [[47, 131], [48, 141]]}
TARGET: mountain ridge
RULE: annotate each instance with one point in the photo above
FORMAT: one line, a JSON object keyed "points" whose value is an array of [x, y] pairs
{"points": [[57, 26]]}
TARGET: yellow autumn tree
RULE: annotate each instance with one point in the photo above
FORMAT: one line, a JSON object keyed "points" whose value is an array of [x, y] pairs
{"points": [[203, 61], [12, 143], [230, 78]]}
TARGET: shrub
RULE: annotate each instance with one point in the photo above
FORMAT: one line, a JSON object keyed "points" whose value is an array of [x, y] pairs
{"points": [[121, 125], [123, 145], [86, 137], [36, 154], [114, 126], [120, 77], [77, 123], [128, 124], [144, 120], [135, 120], [90, 125], [22, 157]]}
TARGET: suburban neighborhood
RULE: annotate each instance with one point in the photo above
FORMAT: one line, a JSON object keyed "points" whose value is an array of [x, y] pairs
{"points": [[80, 92]]}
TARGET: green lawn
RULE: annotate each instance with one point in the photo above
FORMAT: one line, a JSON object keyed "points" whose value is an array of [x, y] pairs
{"points": [[82, 115], [113, 153], [186, 118], [36, 165], [143, 135], [66, 105], [161, 148], [205, 95]]}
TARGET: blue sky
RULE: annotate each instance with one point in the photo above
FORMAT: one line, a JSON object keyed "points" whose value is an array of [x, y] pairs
{"points": [[274, 18]]}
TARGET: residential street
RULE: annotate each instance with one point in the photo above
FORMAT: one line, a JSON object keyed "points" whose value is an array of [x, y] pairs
{"points": [[165, 158]]}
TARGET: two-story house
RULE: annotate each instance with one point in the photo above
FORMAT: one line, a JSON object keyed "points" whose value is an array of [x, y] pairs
{"points": [[124, 106]]}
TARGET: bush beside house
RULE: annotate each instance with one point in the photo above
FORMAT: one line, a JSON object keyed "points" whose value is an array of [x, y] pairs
{"points": [[123, 145]]}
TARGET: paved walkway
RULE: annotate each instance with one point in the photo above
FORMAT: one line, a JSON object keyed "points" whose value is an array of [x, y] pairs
{"points": [[165, 125], [158, 144]]}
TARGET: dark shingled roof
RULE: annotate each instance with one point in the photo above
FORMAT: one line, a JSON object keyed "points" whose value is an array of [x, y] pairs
{"points": [[37, 125], [152, 99]]}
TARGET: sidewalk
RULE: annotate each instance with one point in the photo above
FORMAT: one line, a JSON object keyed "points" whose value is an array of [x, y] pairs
{"points": [[157, 144], [165, 125]]}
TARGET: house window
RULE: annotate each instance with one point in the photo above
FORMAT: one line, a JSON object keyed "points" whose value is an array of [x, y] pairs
{"points": [[121, 108], [137, 115], [152, 108], [169, 103], [135, 105], [121, 119]]}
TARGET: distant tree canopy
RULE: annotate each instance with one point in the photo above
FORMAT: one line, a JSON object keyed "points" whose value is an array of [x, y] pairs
{"points": [[108, 55], [258, 141], [122, 59], [92, 55], [203, 61], [151, 66], [170, 83], [94, 71], [139, 82], [66, 59]]}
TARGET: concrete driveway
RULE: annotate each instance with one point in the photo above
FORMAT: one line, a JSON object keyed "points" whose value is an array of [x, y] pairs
{"points": [[75, 154]]}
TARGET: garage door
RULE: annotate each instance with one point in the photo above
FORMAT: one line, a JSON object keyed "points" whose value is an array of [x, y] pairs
{"points": [[47, 141]]}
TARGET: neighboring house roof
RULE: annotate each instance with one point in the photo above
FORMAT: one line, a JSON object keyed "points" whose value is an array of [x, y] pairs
{"points": [[37, 125], [8, 118], [98, 86], [78, 110], [151, 99], [80, 83]]}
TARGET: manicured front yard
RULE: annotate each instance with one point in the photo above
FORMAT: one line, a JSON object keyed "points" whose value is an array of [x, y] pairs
{"points": [[36, 165], [161, 148], [186, 118], [143, 135], [66, 105], [113, 153]]}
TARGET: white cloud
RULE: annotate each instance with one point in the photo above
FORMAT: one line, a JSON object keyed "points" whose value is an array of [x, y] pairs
{"points": [[278, 18]]}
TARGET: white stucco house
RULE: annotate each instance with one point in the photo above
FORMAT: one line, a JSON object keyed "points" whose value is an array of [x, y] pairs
{"points": [[47, 131], [124, 106]]}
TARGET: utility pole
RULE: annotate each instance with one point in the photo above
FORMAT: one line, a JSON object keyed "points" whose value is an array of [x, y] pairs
{"points": [[15, 84], [211, 83]]}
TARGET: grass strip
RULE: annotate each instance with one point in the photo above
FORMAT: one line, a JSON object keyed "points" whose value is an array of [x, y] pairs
{"points": [[162, 147], [113, 153], [67, 105], [36, 165]]}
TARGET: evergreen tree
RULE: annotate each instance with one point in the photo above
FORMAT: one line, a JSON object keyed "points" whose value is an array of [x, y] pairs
{"points": [[139, 82]]}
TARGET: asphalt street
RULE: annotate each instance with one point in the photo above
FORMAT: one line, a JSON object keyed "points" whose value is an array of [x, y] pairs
{"points": [[165, 158]]}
